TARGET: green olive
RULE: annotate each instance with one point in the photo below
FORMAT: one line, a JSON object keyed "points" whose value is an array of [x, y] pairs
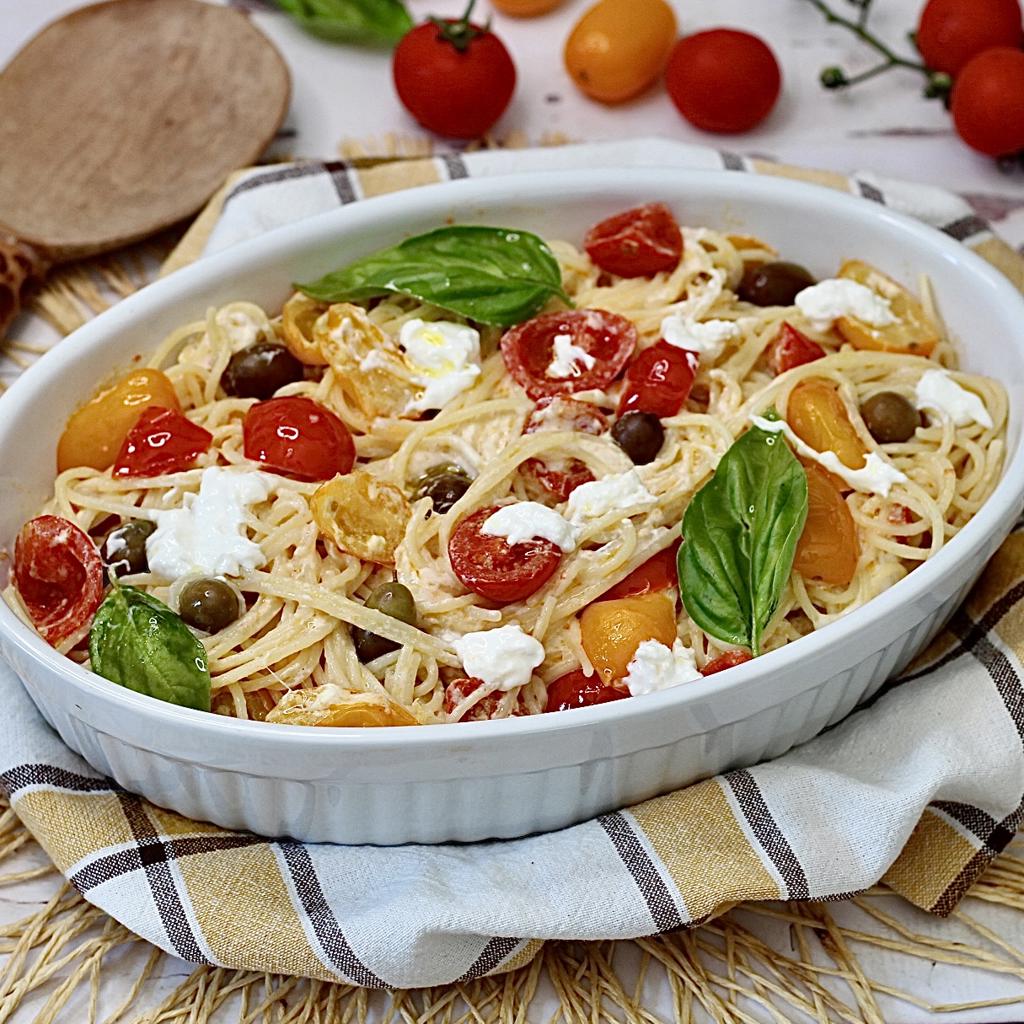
{"points": [[890, 417], [124, 550], [443, 484], [392, 599], [640, 435], [208, 604], [774, 284]]}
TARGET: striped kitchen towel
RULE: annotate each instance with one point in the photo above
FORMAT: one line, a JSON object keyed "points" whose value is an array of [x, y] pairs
{"points": [[905, 790]]}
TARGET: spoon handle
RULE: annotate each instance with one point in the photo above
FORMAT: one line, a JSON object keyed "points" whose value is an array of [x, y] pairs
{"points": [[22, 267]]}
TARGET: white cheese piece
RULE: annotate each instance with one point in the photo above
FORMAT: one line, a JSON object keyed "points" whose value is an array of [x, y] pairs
{"points": [[503, 658], [617, 492], [938, 392], [529, 520], [657, 667], [205, 535], [444, 357], [825, 302], [877, 475], [568, 357], [707, 338]]}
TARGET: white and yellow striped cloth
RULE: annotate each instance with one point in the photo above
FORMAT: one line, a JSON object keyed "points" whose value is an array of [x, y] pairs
{"points": [[921, 789]]}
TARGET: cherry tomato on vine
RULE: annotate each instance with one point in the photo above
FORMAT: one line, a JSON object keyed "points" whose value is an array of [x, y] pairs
{"points": [[576, 690], [454, 76], [988, 102], [298, 437], [162, 441], [951, 32], [723, 80], [636, 243]]}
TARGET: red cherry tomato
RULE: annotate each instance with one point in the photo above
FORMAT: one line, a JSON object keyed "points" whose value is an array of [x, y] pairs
{"points": [[162, 441], [728, 660], [637, 243], [658, 381], [577, 690], [988, 102], [562, 476], [528, 350], [951, 32], [484, 709], [59, 576], [455, 78], [657, 573], [298, 437], [723, 80], [790, 348], [495, 569]]}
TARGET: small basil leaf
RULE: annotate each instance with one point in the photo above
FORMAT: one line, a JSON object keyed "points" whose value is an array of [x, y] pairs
{"points": [[491, 275], [138, 642], [741, 530], [370, 22]]}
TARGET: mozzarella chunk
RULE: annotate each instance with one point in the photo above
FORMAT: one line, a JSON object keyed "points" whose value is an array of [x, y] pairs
{"points": [[657, 667], [617, 492], [938, 392], [444, 358], [530, 520], [825, 302], [568, 358], [502, 658]]}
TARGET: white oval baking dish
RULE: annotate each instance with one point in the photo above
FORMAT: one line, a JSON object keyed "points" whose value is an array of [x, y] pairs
{"points": [[506, 778]]}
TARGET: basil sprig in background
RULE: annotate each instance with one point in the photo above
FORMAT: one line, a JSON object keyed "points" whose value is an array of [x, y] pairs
{"points": [[138, 642], [491, 275], [740, 535], [370, 22]]}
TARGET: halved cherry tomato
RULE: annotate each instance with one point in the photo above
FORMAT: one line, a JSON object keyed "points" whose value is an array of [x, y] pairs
{"points": [[162, 441], [636, 243], [728, 660], [658, 381], [59, 576], [611, 631], [657, 573], [298, 437], [576, 690], [484, 709], [818, 417], [828, 549], [495, 569], [562, 476], [790, 348], [95, 432], [528, 350]]}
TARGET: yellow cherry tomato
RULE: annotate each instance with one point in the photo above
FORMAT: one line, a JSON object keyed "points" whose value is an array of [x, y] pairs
{"points": [[619, 47], [298, 317], [828, 549], [525, 8], [94, 434], [819, 418], [332, 706], [611, 631]]}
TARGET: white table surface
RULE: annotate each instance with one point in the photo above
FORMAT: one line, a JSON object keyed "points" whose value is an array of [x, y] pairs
{"points": [[344, 93]]}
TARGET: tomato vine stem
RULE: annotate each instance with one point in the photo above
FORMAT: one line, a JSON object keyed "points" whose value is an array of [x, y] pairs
{"points": [[461, 32]]}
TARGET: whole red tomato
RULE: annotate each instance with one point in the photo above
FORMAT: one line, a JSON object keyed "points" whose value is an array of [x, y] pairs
{"points": [[723, 80], [455, 77], [951, 32], [988, 102]]}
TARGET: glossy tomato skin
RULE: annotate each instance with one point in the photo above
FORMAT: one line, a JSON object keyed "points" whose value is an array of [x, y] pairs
{"points": [[493, 568], [659, 380], [560, 412], [988, 102], [528, 350], [657, 573], [723, 80], [298, 437], [790, 348], [59, 576], [728, 660], [576, 690], [636, 243], [456, 93], [951, 32], [162, 441]]}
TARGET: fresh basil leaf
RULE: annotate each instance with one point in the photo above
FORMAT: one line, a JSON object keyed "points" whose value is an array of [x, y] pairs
{"points": [[740, 535], [491, 275], [138, 642], [369, 22]]}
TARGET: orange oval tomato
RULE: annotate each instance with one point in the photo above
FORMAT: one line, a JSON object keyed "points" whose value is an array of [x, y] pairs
{"points": [[818, 417], [611, 631], [828, 549], [95, 432], [619, 47], [524, 8]]}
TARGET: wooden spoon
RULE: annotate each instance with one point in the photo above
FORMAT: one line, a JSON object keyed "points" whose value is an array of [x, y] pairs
{"points": [[121, 119]]}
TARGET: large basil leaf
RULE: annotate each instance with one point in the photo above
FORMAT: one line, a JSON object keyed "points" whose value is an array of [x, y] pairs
{"points": [[741, 530], [491, 275], [138, 642], [371, 22]]}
